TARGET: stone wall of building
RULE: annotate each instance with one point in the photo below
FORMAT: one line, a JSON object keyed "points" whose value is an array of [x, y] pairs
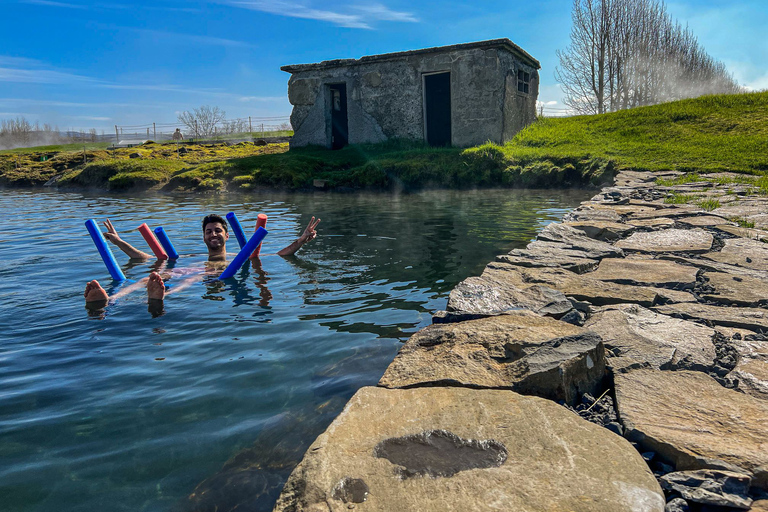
{"points": [[385, 97]]}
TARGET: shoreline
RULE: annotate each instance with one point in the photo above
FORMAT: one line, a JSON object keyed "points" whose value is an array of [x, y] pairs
{"points": [[622, 352]]}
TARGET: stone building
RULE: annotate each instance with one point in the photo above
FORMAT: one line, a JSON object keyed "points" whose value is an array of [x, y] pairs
{"points": [[460, 95]]}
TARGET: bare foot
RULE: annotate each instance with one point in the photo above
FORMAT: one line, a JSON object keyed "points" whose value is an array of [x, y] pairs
{"points": [[155, 287], [94, 292]]}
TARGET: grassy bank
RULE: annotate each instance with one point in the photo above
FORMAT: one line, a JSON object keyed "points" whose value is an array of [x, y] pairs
{"points": [[715, 133]]}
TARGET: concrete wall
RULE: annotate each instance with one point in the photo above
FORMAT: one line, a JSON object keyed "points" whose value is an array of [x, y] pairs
{"points": [[385, 97]]}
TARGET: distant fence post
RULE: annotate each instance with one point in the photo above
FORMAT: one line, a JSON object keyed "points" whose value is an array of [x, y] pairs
{"points": [[117, 137], [250, 126], [154, 132]]}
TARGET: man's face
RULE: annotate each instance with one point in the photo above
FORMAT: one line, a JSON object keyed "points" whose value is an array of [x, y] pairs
{"points": [[215, 236]]}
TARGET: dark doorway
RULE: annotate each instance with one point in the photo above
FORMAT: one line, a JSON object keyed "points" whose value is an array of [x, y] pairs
{"points": [[437, 100], [339, 129]]}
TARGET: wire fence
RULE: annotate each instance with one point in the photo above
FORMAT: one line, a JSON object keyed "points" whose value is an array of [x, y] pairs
{"points": [[242, 128]]}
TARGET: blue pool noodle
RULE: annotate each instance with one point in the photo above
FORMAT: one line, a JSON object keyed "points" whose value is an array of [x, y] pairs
{"points": [[162, 237], [246, 251], [237, 229], [106, 254]]}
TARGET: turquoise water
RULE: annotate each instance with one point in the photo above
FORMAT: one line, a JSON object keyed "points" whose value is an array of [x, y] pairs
{"points": [[219, 397]]}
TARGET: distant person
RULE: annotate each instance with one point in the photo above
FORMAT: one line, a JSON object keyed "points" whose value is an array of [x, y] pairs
{"points": [[215, 236], [177, 135]]}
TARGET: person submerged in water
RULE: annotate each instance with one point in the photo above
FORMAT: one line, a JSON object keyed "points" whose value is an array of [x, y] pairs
{"points": [[215, 236]]}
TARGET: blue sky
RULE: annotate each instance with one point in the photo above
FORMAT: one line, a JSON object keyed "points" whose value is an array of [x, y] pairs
{"points": [[83, 64]]}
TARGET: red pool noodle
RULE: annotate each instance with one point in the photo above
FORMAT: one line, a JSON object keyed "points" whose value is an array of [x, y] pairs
{"points": [[261, 222], [149, 236]]}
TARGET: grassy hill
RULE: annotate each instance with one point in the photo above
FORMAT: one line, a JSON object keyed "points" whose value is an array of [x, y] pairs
{"points": [[708, 134]]}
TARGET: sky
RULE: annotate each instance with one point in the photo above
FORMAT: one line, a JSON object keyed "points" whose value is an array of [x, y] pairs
{"points": [[81, 64]]}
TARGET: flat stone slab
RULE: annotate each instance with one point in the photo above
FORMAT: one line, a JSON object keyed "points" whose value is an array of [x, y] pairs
{"points": [[526, 258], [690, 420], [702, 221], [669, 240], [716, 266], [737, 290], [597, 250], [577, 239], [520, 351], [602, 230], [711, 487], [751, 233], [581, 287], [654, 223], [671, 212], [638, 334], [752, 375], [583, 213], [488, 296], [645, 271], [457, 449], [754, 319], [742, 252]]}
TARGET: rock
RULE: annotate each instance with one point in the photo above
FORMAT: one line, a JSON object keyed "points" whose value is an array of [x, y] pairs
{"points": [[710, 487], [602, 230], [575, 261], [134, 155], [743, 253], [518, 350], [702, 221], [576, 239], [667, 296], [669, 240], [714, 266], [592, 214], [750, 233], [643, 271], [739, 290], [759, 506], [488, 296], [653, 223], [580, 287], [744, 318], [677, 505], [752, 376], [597, 251], [640, 335], [691, 421], [672, 212], [527, 454]]}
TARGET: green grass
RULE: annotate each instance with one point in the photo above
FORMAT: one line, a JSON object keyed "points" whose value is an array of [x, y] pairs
{"points": [[697, 136], [707, 134], [742, 222], [709, 204], [680, 198], [89, 146]]}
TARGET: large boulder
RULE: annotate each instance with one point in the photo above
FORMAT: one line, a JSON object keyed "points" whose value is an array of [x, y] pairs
{"points": [[668, 240], [693, 422], [456, 449], [519, 350], [659, 341]]}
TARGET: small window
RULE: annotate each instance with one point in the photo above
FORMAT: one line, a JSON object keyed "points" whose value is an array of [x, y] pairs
{"points": [[523, 81]]}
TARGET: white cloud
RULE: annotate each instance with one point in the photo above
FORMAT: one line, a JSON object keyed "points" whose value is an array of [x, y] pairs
{"points": [[367, 13], [246, 99], [41, 76], [49, 3], [194, 38]]}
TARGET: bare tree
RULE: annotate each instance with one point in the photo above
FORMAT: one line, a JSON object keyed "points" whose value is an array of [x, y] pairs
{"points": [[202, 121], [628, 53]]}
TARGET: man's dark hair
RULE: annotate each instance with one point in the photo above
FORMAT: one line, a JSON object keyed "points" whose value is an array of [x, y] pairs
{"points": [[214, 218]]}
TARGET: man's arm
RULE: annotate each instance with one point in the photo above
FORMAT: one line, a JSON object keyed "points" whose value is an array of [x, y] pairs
{"points": [[124, 246], [308, 234]]}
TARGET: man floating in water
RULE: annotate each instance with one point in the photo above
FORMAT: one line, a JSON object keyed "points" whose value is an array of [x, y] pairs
{"points": [[215, 236]]}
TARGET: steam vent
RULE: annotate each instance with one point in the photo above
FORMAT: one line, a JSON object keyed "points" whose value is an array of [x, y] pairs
{"points": [[460, 95]]}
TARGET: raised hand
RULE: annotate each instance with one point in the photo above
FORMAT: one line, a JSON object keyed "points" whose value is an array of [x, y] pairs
{"points": [[111, 233], [309, 231]]}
